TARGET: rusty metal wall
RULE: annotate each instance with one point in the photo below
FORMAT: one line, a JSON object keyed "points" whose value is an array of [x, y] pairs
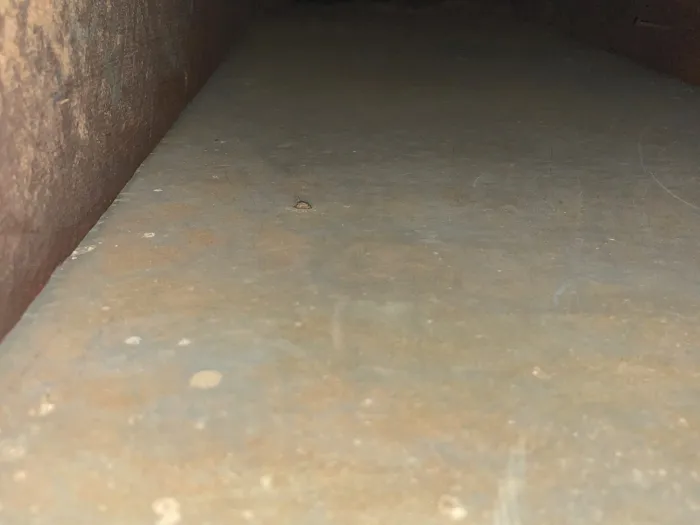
{"points": [[663, 34], [87, 88]]}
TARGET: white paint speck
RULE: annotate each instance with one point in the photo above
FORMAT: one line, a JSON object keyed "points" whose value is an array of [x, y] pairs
{"points": [[539, 373], [148, 235], [184, 342], [45, 408], [167, 510], [82, 250], [133, 340], [158, 190], [266, 482], [452, 508], [206, 379]]}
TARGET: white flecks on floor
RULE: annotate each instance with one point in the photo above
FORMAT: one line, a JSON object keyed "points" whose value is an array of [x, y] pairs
{"points": [[167, 511], [487, 314]]}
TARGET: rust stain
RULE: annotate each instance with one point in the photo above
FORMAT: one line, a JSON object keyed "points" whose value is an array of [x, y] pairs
{"points": [[202, 238], [126, 257], [279, 248], [121, 394], [73, 77]]}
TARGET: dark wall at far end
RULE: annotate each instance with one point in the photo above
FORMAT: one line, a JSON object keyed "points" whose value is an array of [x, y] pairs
{"points": [[663, 34], [87, 88]]}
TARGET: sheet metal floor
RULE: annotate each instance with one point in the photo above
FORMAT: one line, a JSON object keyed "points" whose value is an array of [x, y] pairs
{"points": [[489, 315]]}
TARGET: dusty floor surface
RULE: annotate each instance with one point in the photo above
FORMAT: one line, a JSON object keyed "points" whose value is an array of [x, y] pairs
{"points": [[490, 315]]}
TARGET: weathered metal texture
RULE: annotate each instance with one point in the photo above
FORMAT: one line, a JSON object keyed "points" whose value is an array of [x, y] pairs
{"points": [[663, 34], [86, 91]]}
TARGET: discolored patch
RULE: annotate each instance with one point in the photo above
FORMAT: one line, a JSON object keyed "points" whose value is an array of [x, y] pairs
{"points": [[279, 247]]}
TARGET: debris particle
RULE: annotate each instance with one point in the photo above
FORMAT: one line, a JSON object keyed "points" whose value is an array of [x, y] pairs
{"points": [[184, 342], [302, 205], [167, 510], [133, 340], [45, 408], [451, 507], [538, 373], [206, 379], [158, 190], [148, 235], [82, 250]]}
